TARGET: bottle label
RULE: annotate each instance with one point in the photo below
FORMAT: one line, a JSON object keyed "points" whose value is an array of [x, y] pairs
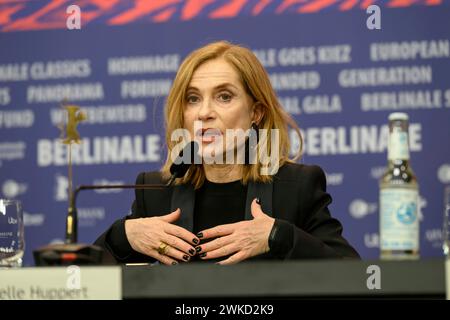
{"points": [[398, 145], [399, 221]]}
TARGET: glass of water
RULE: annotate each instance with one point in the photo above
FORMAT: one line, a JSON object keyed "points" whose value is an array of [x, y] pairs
{"points": [[12, 242], [446, 227]]}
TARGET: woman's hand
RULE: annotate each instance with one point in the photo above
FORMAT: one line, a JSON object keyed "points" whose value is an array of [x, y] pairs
{"points": [[241, 240], [146, 235]]}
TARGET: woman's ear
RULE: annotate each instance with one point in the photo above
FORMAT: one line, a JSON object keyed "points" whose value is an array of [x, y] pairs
{"points": [[258, 112]]}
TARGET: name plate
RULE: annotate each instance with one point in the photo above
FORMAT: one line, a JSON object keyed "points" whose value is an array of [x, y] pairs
{"points": [[61, 283]]}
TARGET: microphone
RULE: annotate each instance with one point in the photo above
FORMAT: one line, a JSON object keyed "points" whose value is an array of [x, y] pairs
{"points": [[180, 166], [73, 253]]}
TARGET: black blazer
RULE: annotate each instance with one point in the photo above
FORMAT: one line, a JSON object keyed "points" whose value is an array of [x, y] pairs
{"points": [[297, 196]]}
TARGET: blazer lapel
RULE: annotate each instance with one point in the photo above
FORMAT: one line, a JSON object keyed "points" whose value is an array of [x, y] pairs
{"points": [[264, 192], [183, 197]]}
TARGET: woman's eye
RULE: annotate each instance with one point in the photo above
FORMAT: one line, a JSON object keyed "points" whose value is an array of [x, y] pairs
{"points": [[225, 97], [192, 99]]}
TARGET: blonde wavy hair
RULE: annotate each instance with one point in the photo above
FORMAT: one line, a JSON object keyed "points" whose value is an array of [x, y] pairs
{"points": [[257, 85]]}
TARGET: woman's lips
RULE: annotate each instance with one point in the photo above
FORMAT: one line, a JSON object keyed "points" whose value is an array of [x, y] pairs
{"points": [[208, 135]]}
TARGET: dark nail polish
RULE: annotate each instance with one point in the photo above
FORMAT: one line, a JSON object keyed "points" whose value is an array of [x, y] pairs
{"points": [[195, 241], [200, 235], [186, 257], [192, 252], [202, 255], [258, 201], [198, 249], [174, 263]]}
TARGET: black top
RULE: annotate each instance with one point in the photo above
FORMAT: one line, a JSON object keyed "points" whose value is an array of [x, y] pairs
{"points": [[217, 204]]}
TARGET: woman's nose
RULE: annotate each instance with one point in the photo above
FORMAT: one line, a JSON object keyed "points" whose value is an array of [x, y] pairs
{"points": [[206, 110]]}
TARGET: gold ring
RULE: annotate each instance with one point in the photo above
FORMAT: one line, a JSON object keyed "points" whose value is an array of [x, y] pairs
{"points": [[163, 248]]}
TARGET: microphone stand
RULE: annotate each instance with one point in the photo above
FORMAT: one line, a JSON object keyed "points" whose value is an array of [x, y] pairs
{"points": [[72, 252]]}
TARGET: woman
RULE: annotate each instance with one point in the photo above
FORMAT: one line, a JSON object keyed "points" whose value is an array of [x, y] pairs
{"points": [[221, 211]]}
